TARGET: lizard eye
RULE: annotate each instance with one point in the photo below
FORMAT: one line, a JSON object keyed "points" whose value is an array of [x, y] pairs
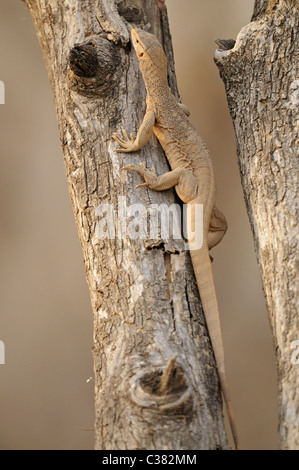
{"points": [[141, 54]]}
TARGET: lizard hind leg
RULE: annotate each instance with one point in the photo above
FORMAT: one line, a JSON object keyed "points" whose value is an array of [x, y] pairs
{"points": [[217, 228], [180, 178]]}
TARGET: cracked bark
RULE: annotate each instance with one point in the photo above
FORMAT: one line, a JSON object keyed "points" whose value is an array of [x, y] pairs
{"points": [[147, 314], [260, 74]]}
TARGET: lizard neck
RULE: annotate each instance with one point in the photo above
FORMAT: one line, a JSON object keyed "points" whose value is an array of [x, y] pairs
{"points": [[156, 83], [156, 89]]}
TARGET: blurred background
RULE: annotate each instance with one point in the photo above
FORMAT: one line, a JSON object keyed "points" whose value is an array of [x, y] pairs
{"points": [[46, 397]]}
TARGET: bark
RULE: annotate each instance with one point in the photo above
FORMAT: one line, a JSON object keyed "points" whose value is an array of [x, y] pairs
{"points": [[261, 79], [156, 384]]}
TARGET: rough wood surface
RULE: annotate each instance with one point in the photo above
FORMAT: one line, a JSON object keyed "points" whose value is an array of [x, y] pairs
{"points": [[156, 385], [261, 79]]}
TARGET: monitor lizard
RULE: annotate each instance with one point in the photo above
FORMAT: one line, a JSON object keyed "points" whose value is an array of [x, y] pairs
{"points": [[191, 175]]}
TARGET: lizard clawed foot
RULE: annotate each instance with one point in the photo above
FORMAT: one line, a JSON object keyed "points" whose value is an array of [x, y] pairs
{"points": [[127, 143], [149, 175]]}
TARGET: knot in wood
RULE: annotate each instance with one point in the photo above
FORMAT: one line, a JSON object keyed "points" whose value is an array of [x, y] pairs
{"points": [[94, 67], [130, 11], [165, 391], [84, 60]]}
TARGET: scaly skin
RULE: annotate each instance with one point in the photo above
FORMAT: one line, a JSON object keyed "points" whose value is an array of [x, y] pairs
{"points": [[191, 175]]}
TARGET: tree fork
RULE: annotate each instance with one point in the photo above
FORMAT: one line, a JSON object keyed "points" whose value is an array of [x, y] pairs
{"points": [[260, 73], [156, 385]]}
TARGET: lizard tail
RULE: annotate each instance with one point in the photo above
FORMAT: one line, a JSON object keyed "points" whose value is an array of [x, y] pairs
{"points": [[204, 277]]}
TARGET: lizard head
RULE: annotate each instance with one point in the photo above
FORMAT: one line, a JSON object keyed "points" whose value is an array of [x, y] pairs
{"points": [[149, 52]]}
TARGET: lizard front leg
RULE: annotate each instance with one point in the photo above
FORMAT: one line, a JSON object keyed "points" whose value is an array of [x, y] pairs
{"points": [[129, 144]]}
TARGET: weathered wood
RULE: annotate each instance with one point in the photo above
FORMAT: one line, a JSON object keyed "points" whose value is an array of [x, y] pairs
{"points": [[156, 385], [261, 79]]}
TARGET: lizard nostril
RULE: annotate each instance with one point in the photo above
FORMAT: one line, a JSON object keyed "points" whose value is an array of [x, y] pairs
{"points": [[141, 54]]}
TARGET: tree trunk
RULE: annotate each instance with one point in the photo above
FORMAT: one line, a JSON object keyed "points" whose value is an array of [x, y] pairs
{"points": [[261, 78], [156, 385]]}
